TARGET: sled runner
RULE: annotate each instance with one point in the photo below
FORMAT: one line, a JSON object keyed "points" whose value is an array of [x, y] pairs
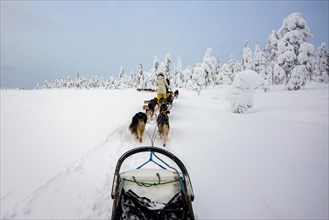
{"points": [[152, 193]]}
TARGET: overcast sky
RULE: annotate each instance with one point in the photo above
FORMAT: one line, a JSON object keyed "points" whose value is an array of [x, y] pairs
{"points": [[44, 40]]}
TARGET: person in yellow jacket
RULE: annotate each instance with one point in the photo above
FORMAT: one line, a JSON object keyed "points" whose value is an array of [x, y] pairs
{"points": [[162, 86]]}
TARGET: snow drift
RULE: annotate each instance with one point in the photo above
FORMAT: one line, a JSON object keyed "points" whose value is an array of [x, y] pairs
{"points": [[242, 89]]}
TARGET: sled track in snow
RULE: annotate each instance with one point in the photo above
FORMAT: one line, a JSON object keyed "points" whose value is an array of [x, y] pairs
{"points": [[87, 179]]}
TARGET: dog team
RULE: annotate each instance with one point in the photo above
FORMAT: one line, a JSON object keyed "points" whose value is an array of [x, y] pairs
{"points": [[158, 104]]}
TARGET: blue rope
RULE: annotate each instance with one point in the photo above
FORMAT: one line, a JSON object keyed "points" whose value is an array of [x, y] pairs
{"points": [[173, 168], [151, 160]]}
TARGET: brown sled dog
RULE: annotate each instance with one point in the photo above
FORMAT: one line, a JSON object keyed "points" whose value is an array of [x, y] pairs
{"points": [[163, 126], [150, 107], [176, 94], [137, 125]]}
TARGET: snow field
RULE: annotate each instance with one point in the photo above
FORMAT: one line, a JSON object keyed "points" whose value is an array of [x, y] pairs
{"points": [[59, 149]]}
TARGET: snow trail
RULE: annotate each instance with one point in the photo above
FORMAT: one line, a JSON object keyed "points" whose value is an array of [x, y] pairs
{"points": [[87, 179]]}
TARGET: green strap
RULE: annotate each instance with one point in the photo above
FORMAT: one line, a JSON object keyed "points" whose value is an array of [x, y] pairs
{"points": [[141, 183]]}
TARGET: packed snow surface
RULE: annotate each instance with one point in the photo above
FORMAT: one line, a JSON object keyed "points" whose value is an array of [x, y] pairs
{"points": [[59, 149]]}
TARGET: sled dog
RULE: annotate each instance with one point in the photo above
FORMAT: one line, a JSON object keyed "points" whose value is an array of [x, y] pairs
{"points": [[164, 109], [150, 107], [163, 126], [176, 94], [137, 125]]}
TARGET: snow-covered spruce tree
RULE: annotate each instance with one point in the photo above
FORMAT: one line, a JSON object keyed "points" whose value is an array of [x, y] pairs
{"points": [[112, 84], [140, 76], [149, 80], [45, 85], [153, 73], [223, 75], [306, 58], [122, 78], [187, 77], [247, 60], [293, 51], [321, 72], [233, 66], [227, 71], [161, 68], [271, 53], [260, 67], [209, 66], [237, 67], [133, 79], [198, 79], [121, 73], [178, 76], [167, 67], [218, 79], [155, 65]]}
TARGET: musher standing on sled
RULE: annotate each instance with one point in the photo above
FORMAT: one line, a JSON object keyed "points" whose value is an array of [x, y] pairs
{"points": [[162, 86]]}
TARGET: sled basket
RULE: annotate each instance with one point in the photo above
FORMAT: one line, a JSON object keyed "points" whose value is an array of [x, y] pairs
{"points": [[144, 193]]}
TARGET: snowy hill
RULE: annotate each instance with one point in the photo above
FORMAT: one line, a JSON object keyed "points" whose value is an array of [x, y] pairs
{"points": [[59, 149]]}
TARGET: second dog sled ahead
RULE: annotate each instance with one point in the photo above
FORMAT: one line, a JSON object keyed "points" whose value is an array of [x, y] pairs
{"points": [[158, 193]]}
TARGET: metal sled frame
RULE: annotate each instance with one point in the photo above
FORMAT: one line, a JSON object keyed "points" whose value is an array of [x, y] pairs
{"points": [[184, 178]]}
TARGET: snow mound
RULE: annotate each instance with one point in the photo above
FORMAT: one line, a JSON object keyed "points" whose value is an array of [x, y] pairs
{"points": [[241, 92]]}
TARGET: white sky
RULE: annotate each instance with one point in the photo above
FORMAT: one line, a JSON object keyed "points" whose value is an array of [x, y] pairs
{"points": [[43, 40]]}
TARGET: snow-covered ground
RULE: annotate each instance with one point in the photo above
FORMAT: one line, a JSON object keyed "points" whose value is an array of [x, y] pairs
{"points": [[59, 149]]}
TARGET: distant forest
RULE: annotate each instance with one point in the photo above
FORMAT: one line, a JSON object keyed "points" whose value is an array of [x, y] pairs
{"points": [[287, 59]]}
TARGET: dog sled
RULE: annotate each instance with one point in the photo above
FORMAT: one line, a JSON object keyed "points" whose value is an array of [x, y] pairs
{"points": [[164, 192]]}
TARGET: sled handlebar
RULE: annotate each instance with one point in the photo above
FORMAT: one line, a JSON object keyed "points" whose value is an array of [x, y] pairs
{"points": [[179, 163]]}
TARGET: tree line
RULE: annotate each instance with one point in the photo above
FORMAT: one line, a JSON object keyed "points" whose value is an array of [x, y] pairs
{"points": [[287, 59]]}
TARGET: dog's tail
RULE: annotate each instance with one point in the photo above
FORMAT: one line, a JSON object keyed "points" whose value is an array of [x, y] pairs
{"points": [[140, 130], [165, 132], [132, 129]]}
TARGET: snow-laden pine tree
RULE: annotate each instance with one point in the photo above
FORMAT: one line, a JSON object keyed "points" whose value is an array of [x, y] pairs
{"points": [[178, 79], [321, 72], [271, 54], [259, 59], [161, 68], [121, 73], [237, 67], [218, 80], [140, 76], [167, 67], [294, 51], [155, 65], [133, 79], [209, 66], [187, 77], [149, 80], [198, 78], [306, 58], [153, 73], [224, 75], [260, 67], [122, 78], [229, 69], [247, 60]]}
